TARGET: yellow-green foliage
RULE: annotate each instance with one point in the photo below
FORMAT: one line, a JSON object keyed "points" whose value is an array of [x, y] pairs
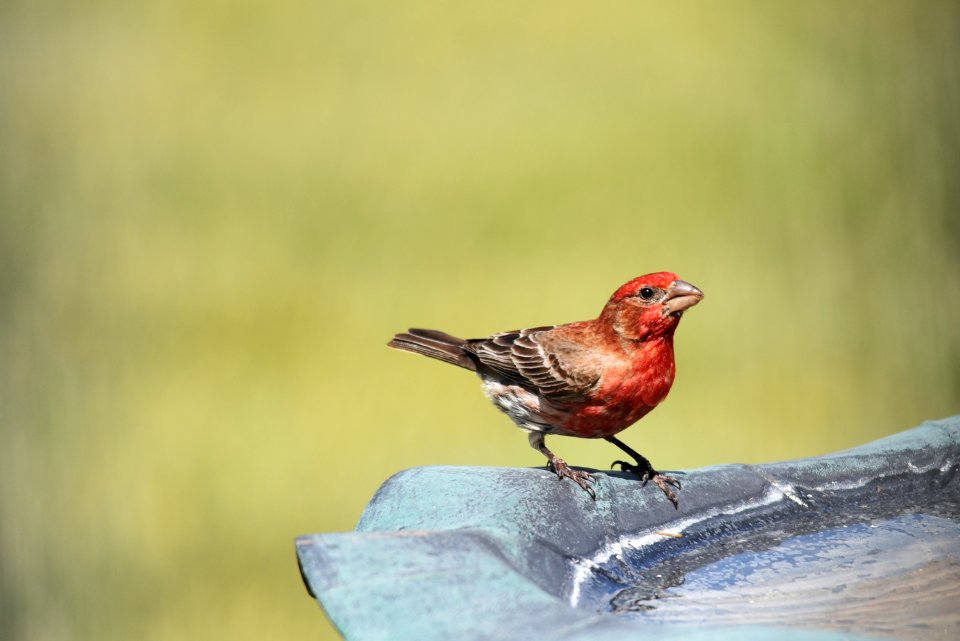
{"points": [[214, 214]]}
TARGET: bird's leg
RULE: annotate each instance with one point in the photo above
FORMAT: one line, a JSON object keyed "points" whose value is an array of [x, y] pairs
{"points": [[644, 470], [560, 467]]}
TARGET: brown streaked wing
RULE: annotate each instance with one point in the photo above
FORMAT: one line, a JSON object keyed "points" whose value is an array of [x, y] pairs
{"points": [[494, 353], [520, 357]]}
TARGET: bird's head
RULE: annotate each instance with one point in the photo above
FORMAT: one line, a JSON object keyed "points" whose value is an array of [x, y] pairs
{"points": [[649, 306]]}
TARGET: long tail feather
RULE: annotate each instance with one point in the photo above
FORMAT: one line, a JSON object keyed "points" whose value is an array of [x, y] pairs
{"points": [[434, 344]]}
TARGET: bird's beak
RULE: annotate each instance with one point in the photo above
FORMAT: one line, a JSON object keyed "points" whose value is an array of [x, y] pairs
{"points": [[681, 295]]}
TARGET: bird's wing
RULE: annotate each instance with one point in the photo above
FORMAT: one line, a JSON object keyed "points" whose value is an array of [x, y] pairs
{"points": [[540, 360]]}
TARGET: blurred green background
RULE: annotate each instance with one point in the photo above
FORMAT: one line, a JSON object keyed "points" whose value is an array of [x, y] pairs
{"points": [[215, 214]]}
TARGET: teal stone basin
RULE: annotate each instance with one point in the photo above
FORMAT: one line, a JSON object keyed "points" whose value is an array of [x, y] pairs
{"points": [[863, 543]]}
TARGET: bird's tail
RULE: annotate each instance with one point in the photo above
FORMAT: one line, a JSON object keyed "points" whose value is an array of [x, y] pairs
{"points": [[434, 344]]}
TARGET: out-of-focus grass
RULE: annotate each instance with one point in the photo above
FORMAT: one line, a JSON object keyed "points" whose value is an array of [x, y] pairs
{"points": [[215, 214]]}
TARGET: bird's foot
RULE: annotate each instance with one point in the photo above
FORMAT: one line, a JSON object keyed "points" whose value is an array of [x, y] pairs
{"points": [[647, 473], [583, 479]]}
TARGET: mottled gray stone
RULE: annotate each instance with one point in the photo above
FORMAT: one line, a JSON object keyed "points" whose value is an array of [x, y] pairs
{"points": [[493, 553]]}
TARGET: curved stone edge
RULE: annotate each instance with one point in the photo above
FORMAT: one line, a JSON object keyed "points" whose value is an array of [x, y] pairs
{"points": [[502, 540], [524, 501]]}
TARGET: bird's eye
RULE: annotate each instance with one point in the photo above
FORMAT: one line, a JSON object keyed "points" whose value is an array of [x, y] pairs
{"points": [[647, 293]]}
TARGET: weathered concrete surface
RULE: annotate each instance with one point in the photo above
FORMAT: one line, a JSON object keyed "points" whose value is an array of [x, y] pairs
{"points": [[491, 553]]}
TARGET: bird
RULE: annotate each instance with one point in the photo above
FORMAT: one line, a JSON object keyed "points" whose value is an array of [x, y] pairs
{"points": [[587, 379]]}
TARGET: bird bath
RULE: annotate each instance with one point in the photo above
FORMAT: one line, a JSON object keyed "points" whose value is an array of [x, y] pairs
{"points": [[863, 543]]}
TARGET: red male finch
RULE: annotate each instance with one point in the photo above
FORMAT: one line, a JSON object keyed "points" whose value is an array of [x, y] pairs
{"points": [[590, 379]]}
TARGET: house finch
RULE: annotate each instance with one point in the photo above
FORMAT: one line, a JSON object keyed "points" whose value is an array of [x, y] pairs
{"points": [[590, 379]]}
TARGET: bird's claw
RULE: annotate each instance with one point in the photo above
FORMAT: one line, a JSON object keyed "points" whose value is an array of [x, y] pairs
{"points": [[662, 482], [649, 474], [583, 479]]}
